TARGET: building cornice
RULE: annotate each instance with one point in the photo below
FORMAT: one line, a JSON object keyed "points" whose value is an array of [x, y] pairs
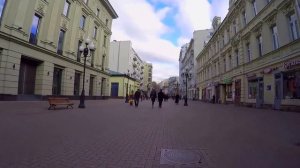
{"points": [[109, 8]]}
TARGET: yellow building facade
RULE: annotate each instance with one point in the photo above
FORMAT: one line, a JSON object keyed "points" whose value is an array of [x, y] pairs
{"points": [[39, 47], [253, 57], [121, 84]]}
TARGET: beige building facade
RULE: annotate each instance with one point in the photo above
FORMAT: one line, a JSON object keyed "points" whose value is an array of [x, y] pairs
{"points": [[253, 57], [39, 47]]}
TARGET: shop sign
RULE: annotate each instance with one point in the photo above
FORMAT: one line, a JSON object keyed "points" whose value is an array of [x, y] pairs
{"points": [[289, 65], [227, 81]]}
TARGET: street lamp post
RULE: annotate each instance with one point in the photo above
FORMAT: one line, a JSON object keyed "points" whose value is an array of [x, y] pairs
{"points": [[89, 48], [187, 75], [127, 98]]}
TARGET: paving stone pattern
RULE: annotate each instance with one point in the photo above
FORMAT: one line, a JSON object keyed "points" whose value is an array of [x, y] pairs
{"points": [[112, 134]]}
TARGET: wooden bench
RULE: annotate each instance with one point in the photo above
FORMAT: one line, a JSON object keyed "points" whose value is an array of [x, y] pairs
{"points": [[55, 101]]}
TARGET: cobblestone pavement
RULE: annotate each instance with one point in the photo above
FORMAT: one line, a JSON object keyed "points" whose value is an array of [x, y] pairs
{"points": [[112, 134]]}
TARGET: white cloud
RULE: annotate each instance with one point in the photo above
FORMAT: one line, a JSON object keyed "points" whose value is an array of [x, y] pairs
{"points": [[142, 24]]}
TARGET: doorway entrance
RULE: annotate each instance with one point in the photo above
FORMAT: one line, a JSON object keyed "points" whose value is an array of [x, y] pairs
{"points": [[114, 89], [260, 93], [278, 90], [57, 78], [77, 84], [27, 75], [237, 95]]}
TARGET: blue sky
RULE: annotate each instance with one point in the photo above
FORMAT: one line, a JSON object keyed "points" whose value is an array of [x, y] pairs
{"points": [[158, 28]]}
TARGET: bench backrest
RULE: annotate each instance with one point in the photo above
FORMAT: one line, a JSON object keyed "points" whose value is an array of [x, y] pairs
{"points": [[58, 100]]}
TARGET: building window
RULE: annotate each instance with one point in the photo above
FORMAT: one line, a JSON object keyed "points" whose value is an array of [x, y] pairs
{"points": [[260, 46], [224, 63], [234, 27], [228, 36], [2, 5], [294, 29], [298, 6], [82, 22], [60, 42], [95, 32], [229, 62], [103, 60], [223, 40], [275, 37], [34, 29], [252, 89], [78, 52], [291, 85], [244, 18], [237, 57], [98, 12], [104, 41], [248, 52], [254, 7], [106, 22], [66, 8]]}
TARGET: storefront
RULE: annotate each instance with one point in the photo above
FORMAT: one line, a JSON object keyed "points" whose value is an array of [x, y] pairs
{"points": [[287, 85]]}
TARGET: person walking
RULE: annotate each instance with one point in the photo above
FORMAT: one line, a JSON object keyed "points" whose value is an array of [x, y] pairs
{"points": [[177, 98], [137, 96], [160, 97], [153, 96]]}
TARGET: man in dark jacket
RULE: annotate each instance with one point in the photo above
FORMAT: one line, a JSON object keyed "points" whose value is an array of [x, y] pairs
{"points": [[153, 96], [137, 96], [160, 97]]}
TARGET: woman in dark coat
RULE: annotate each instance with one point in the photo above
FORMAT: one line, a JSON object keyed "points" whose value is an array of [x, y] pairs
{"points": [[160, 96]]}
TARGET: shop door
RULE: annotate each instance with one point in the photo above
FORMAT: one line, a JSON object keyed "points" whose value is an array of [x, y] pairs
{"points": [[57, 78], [237, 96], [76, 84], [278, 91], [260, 93], [27, 75], [91, 90], [114, 89], [218, 94]]}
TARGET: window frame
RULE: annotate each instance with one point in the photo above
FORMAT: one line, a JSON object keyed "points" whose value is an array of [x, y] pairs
{"points": [[294, 30], [82, 22], [3, 10], [60, 49], [275, 37], [68, 9], [31, 40]]}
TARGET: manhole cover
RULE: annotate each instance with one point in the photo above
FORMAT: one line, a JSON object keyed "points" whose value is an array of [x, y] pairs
{"points": [[194, 158], [182, 157]]}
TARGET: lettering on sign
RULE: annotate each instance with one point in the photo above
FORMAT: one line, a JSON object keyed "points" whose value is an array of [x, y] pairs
{"points": [[289, 65]]}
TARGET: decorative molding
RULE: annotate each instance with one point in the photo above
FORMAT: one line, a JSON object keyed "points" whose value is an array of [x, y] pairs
{"points": [[257, 28], [286, 6], [17, 28], [40, 8], [97, 23], [270, 19], [64, 24], [49, 43]]}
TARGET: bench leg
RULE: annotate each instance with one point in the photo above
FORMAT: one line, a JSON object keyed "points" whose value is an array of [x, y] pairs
{"points": [[52, 105]]}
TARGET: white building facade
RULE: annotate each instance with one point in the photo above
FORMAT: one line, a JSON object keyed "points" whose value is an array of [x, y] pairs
{"points": [[124, 59], [188, 63]]}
